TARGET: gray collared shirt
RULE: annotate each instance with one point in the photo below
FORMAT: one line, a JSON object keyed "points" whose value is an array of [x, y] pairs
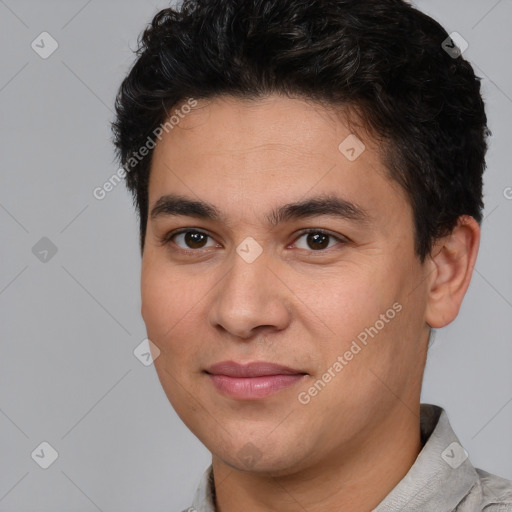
{"points": [[442, 479]]}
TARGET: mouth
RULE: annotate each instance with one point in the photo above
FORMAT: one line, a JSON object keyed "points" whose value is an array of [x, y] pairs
{"points": [[254, 380]]}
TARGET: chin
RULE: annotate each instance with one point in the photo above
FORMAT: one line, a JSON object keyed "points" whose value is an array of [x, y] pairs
{"points": [[270, 459]]}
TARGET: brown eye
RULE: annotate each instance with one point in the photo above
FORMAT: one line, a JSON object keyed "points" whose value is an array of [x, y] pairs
{"points": [[190, 239], [195, 240], [318, 240]]}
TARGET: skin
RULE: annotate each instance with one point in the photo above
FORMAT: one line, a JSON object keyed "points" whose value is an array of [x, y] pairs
{"points": [[297, 304]]}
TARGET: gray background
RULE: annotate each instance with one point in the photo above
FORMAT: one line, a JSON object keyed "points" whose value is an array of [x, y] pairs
{"points": [[69, 325]]}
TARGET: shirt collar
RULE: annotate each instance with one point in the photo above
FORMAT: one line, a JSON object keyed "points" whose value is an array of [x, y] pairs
{"points": [[441, 476], [439, 479]]}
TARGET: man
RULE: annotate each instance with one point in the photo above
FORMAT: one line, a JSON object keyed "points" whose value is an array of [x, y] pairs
{"points": [[308, 177]]}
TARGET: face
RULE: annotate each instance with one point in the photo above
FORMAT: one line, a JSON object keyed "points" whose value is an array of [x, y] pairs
{"points": [[330, 287]]}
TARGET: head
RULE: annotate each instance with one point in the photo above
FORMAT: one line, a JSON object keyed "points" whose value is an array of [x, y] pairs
{"points": [[308, 179]]}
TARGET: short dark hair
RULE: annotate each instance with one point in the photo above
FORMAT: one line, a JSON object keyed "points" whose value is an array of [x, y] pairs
{"points": [[382, 58]]}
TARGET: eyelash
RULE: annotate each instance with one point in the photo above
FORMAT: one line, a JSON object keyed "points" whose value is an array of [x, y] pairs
{"points": [[167, 239]]}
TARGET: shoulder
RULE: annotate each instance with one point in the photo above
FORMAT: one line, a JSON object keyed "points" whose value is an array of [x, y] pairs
{"points": [[496, 492]]}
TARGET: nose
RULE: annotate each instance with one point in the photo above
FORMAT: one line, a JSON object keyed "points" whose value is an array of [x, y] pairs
{"points": [[250, 299]]}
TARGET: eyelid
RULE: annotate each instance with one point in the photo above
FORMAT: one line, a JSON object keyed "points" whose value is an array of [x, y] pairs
{"points": [[337, 237], [166, 239]]}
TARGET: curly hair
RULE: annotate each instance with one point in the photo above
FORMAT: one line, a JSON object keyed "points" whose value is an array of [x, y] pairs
{"points": [[383, 58]]}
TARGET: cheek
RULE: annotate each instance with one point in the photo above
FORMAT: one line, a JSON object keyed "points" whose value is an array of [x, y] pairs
{"points": [[169, 306], [158, 305], [357, 314], [174, 310], [349, 299], [168, 299]]}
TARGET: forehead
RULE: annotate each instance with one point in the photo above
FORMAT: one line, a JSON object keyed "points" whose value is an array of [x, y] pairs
{"points": [[273, 122], [267, 152]]}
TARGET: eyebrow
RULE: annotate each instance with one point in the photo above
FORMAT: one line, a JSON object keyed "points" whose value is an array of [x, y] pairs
{"points": [[176, 205]]}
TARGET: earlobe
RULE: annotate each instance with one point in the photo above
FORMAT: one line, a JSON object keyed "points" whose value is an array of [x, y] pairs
{"points": [[452, 259]]}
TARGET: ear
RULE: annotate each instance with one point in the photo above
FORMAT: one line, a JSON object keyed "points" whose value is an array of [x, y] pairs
{"points": [[451, 263]]}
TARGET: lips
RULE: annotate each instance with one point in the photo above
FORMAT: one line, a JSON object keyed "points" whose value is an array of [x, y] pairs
{"points": [[254, 369], [252, 381]]}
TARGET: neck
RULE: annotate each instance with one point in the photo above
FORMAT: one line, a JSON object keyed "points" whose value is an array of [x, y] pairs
{"points": [[351, 480]]}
